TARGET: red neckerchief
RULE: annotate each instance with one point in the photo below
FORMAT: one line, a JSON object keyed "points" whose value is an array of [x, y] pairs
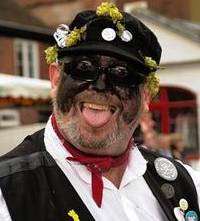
{"points": [[95, 164]]}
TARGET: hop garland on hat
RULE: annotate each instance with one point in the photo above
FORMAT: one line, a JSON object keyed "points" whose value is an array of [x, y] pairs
{"points": [[51, 54], [75, 36], [109, 9], [152, 81]]}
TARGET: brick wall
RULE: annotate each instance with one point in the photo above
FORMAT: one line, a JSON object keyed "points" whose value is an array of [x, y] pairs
{"points": [[186, 9], [195, 10], [28, 115], [120, 3], [6, 55], [92, 4], [43, 64], [169, 8]]}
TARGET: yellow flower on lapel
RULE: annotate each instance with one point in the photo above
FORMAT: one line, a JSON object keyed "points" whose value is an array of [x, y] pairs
{"points": [[74, 215]]}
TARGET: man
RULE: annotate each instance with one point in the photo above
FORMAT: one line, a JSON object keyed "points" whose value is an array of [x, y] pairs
{"points": [[84, 165]]}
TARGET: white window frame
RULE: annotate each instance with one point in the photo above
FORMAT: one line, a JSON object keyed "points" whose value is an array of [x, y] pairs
{"points": [[25, 58]]}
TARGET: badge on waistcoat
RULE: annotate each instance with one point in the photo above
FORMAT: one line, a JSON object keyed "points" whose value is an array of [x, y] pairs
{"points": [[168, 190], [191, 216], [165, 169], [181, 214]]}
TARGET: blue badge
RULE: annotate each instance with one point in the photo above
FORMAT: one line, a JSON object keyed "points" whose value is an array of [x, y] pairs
{"points": [[191, 216]]}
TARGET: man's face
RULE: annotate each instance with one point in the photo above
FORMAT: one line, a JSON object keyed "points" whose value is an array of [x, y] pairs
{"points": [[97, 114]]}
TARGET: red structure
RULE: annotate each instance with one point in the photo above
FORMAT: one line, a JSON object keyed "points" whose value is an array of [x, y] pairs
{"points": [[175, 110]]}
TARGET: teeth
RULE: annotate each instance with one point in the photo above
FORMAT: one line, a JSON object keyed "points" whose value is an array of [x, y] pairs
{"points": [[96, 106]]}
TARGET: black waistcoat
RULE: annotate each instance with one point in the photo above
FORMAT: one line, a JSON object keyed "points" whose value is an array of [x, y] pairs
{"points": [[35, 188]]}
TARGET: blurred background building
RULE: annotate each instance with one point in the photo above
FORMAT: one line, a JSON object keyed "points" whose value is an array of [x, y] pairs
{"points": [[26, 28]]}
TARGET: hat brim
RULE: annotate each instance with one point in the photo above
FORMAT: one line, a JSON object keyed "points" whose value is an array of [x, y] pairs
{"points": [[104, 48]]}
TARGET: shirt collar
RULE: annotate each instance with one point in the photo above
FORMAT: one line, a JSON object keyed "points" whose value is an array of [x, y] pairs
{"points": [[136, 167]]}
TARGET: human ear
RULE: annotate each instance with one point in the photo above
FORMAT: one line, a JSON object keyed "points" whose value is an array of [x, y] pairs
{"points": [[54, 76], [146, 98]]}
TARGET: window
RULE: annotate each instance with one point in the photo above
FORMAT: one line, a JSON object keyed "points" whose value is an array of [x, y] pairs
{"points": [[9, 118], [26, 58]]}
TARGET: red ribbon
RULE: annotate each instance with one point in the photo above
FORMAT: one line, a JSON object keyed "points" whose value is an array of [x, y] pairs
{"points": [[95, 164]]}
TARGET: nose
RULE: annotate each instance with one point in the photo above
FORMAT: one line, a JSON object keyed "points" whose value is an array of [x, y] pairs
{"points": [[99, 84]]}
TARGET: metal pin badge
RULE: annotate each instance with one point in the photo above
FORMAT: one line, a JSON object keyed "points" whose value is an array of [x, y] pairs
{"points": [[183, 204], [168, 190], [126, 36], [63, 29], [108, 34], [60, 35], [191, 216], [165, 169], [179, 214]]}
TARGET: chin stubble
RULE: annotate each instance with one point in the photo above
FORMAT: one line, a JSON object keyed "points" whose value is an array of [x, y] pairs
{"points": [[72, 133]]}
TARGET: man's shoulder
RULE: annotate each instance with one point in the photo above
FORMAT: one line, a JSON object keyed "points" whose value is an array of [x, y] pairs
{"points": [[150, 155], [28, 155], [32, 143], [154, 159]]}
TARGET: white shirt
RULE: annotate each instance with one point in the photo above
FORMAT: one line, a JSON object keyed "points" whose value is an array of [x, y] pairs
{"points": [[132, 201]]}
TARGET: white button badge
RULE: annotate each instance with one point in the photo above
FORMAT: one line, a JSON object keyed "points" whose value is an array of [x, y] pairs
{"points": [[126, 36], [165, 169], [108, 34]]}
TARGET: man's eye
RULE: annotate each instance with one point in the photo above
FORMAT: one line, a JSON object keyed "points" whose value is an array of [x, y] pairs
{"points": [[119, 71], [85, 66]]}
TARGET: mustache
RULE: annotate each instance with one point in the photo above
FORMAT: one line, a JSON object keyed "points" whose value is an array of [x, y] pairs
{"points": [[98, 97]]}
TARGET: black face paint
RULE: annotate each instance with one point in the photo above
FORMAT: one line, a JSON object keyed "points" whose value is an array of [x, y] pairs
{"points": [[128, 95], [69, 88]]}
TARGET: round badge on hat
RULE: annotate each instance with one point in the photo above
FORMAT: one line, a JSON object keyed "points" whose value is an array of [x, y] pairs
{"points": [[179, 214], [165, 169], [168, 190], [108, 34], [191, 216], [126, 36], [183, 204]]}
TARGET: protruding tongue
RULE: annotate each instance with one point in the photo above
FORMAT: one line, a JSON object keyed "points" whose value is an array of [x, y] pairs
{"points": [[96, 118]]}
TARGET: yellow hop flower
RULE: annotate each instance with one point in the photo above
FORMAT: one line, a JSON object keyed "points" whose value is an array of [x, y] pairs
{"points": [[152, 83], [75, 36], [51, 54], [109, 9], [102, 9], [150, 63], [115, 14], [120, 28], [74, 215]]}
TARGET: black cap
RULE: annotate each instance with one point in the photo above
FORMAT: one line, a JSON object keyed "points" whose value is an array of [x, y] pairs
{"points": [[141, 40]]}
